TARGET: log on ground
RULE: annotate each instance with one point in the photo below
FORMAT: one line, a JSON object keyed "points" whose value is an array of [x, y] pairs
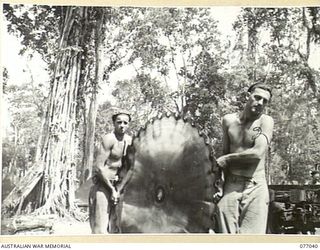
{"points": [[17, 224]]}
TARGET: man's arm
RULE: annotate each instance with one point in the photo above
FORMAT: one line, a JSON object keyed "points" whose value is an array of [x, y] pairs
{"points": [[257, 152], [103, 155]]}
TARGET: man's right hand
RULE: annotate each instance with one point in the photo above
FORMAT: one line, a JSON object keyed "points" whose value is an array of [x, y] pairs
{"points": [[222, 161]]}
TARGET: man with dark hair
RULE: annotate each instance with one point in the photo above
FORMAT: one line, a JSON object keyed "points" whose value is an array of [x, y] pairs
{"points": [[246, 138], [103, 195], [260, 86]]}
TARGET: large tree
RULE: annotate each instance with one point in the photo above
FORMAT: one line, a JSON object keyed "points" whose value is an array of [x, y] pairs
{"points": [[50, 182], [85, 51]]}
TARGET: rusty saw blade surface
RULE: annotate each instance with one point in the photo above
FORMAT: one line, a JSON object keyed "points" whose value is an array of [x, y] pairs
{"points": [[172, 183]]}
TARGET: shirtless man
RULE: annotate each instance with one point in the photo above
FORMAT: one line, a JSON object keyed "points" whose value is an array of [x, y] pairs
{"points": [[103, 195], [246, 137]]}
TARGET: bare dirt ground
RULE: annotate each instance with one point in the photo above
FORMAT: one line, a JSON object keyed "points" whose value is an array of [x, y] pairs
{"points": [[63, 227], [71, 228], [67, 226]]}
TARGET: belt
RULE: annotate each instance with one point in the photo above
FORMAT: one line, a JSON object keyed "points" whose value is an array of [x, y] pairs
{"points": [[240, 178], [97, 180]]}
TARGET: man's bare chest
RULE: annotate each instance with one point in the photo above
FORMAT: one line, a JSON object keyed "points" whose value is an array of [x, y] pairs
{"points": [[117, 150], [243, 135]]}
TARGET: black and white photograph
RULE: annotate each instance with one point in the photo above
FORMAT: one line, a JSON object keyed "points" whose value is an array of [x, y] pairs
{"points": [[160, 120]]}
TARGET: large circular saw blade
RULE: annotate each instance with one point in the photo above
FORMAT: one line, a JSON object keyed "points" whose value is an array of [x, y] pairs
{"points": [[172, 182]]}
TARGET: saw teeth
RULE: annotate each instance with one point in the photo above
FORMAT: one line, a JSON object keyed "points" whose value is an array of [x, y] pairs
{"points": [[177, 115], [143, 128]]}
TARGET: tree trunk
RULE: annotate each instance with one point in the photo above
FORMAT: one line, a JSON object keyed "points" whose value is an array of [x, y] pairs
{"points": [[40, 141], [89, 140], [56, 190], [59, 146], [253, 25], [90, 120]]}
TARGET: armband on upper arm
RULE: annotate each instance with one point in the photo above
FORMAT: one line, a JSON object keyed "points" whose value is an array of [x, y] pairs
{"points": [[259, 132]]}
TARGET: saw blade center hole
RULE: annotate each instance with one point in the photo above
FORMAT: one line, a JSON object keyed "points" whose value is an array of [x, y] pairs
{"points": [[159, 194]]}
